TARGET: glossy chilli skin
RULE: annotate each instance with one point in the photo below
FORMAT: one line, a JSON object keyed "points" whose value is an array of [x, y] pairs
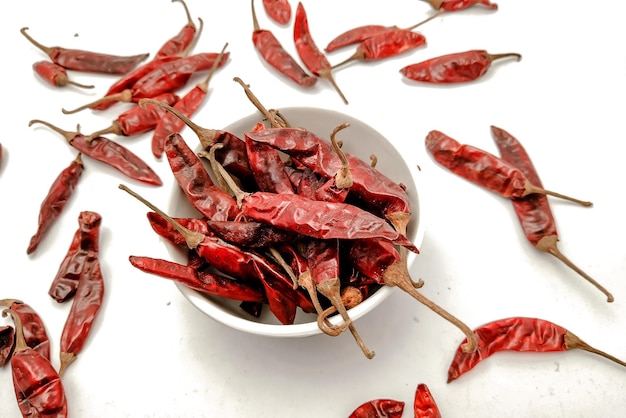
{"points": [[278, 10], [424, 405], [379, 408], [460, 67], [55, 75]]}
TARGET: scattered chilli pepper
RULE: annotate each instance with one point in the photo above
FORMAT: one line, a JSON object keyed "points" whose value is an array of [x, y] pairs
{"points": [[519, 334], [272, 52], [85, 305], [202, 281], [459, 67], [138, 119], [167, 77], [484, 169], [424, 405], [533, 211], [278, 10], [457, 5], [38, 387], [196, 183], [7, 342], [56, 75], [387, 44], [84, 243], [55, 201], [308, 51], [379, 408], [187, 105], [178, 44], [79, 60], [33, 328], [108, 152]]}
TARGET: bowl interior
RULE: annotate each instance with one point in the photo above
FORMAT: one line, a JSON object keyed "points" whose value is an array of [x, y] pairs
{"points": [[358, 139]]}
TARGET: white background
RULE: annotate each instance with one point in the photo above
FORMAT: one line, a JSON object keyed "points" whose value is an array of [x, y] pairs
{"points": [[152, 354]]}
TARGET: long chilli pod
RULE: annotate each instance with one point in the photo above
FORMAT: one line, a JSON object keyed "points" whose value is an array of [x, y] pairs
{"points": [[56, 75], [33, 327], [519, 334], [58, 195], [85, 305], [309, 52], [108, 152], [484, 169], [273, 53], [533, 211], [379, 408], [459, 67], [387, 44], [178, 44], [38, 387], [189, 104], [88, 61]]}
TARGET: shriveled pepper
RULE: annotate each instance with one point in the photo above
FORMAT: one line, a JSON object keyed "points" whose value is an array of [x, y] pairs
{"points": [[33, 327], [79, 60], [7, 342], [424, 405], [38, 387], [178, 44], [278, 10], [379, 408], [519, 334], [56, 75]]}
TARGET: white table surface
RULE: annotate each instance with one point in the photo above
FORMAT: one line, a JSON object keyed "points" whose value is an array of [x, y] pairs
{"points": [[152, 354]]}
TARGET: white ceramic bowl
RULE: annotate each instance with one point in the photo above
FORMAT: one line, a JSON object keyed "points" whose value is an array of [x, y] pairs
{"points": [[358, 139]]}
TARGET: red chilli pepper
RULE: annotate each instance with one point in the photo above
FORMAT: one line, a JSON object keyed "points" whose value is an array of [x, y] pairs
{"points": [[84, 243], [38, 387], [389, 43], [188, 105], [7, 343], [167, 77], [484, 169], [201, 281], [460, 67], [308, 51], [533, 211], [273, 53], [379, 408], [424, 405], [56, 75], [138, 119], [88, 61], [55, 201], [178, 44], [457, 5], [278, 10], [33, 328], [108, 152], [519, 334], [86, 304]]}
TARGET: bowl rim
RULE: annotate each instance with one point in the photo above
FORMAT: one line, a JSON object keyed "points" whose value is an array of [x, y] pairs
{"points": [[222, 315]]}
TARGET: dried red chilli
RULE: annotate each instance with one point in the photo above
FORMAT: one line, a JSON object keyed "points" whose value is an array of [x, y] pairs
{"points": [[88, 61], [55, 75], [424, 405], [233, 261], [199, 280], [278, 10], [85, 242], [56, 199], [108, 152], [196, 183], [138, 119], [484, 169], [379, 408], [519, 334], [383, 45], [457, 5], [178, 44], [188, 105], [167, 77], [86, 304], [33, 328], [38, 387], [309, 52], [533, 211], [459, 67], [274, 54]]}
